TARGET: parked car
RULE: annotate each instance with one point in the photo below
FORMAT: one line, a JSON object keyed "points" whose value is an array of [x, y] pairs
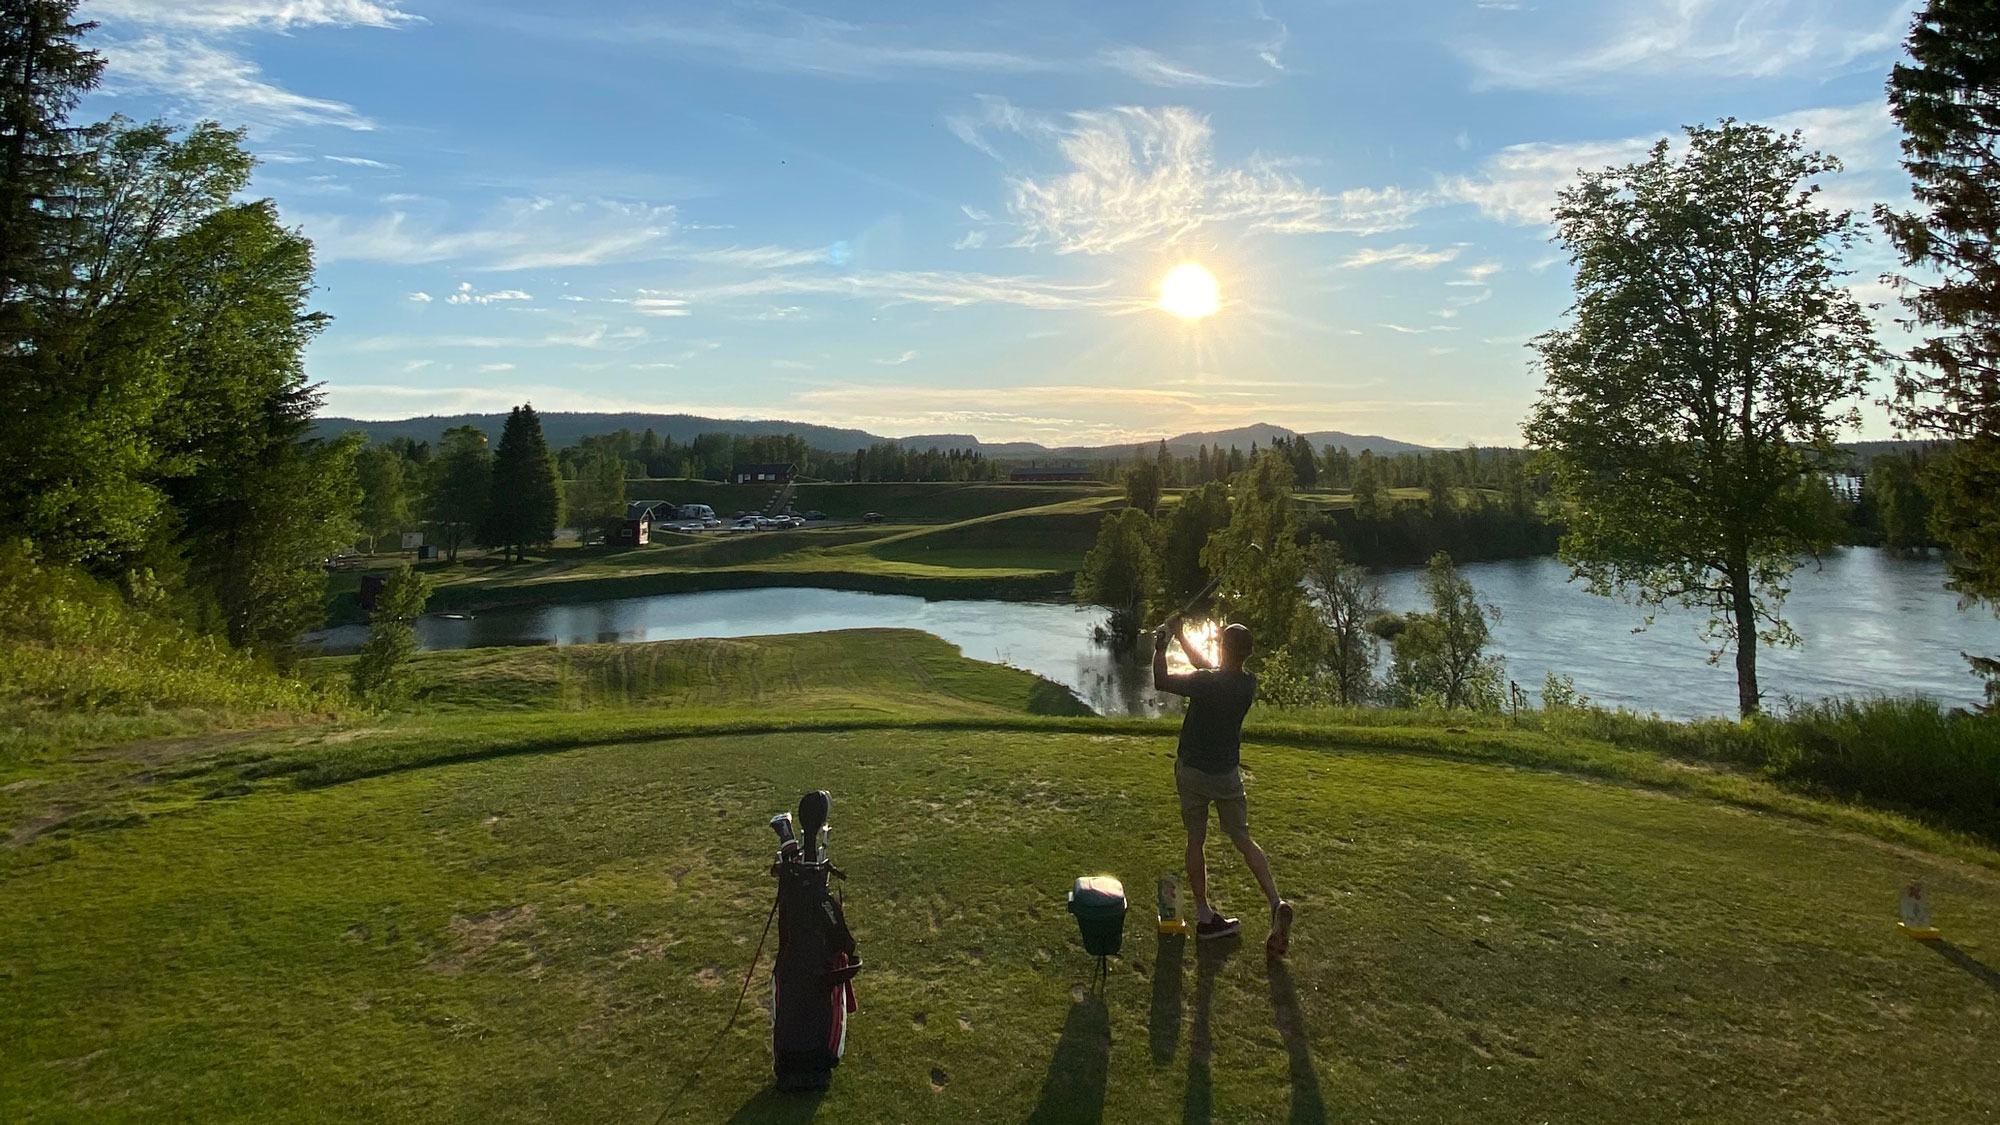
{"points": [[871, 517], [711, 521], [747, 523], [815, 514]]}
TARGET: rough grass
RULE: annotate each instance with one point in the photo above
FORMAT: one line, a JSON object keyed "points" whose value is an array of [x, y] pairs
{"points": [[856, 672], [558, 937], [81, 666]]}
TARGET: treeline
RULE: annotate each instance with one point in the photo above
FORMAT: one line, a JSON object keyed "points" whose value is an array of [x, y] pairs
{"points": [[463, 493], [153, 401]]}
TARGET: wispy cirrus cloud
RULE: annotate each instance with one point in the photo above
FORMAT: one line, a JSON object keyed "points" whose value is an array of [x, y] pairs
{"points": [[514, 234], [258, 15], [1403, 256], [1140, 176], [773, 39], [1612, 45], [945, 288], [185, 51], [217, 82], [1519, 183]]}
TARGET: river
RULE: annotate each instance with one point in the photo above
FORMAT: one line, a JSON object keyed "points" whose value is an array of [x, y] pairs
{"points": [[1872, 623]]}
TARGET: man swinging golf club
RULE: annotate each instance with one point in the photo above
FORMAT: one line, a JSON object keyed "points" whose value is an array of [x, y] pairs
{"points": [[1207, 769]]}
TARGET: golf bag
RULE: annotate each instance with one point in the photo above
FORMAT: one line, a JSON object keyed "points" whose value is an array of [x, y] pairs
{"points": [[812, 985]]}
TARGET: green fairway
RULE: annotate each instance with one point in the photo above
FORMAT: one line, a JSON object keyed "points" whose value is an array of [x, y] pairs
{"points": [[499, 907], [1010, 551]]}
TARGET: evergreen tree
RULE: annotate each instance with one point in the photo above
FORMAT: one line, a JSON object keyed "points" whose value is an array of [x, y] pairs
{"points": [[1200, 514], [1947, 99], [460, 488], [44, 69], [526, 503], [1712, 357]]}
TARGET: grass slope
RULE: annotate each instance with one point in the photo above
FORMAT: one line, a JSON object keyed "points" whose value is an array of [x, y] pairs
{"points": [[501, 907]]}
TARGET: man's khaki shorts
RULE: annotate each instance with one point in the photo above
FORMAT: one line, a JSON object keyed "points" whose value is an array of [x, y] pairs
{"points": [[1199, 787]]}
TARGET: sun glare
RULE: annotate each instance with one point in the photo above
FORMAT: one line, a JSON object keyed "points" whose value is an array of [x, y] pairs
{"points": [[1188, 291], [1206, 636]]}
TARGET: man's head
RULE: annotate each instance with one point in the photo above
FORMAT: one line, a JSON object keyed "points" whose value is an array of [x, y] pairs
{"points": [[1235, 646]]}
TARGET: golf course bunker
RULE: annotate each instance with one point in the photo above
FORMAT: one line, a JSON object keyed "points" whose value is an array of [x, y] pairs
{"points": [[1473, 943]]}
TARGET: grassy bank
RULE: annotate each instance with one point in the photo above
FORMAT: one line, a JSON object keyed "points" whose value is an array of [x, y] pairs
{"points": [[81, 665]]}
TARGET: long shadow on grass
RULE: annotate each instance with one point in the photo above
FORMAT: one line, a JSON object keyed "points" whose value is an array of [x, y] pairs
{"points": [[1163, 1024], [1198, 1107], [1308, 1108], [1981, 972], [773, 1107], [1073, 1092]]}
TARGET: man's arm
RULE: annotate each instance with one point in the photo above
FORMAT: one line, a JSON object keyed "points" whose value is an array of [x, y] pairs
{"points": [[1160, 659], [1194, 654]]}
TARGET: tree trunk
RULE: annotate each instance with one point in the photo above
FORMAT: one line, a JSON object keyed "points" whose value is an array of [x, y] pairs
{"points": [[1745, 612]]}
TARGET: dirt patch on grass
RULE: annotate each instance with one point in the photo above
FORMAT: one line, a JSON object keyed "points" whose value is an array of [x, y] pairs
{"points": [[472, 935]]}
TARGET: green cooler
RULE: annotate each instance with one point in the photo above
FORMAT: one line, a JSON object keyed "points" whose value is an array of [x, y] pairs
{"points": [[1098, 901]]}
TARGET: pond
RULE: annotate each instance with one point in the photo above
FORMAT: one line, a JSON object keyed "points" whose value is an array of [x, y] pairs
{"points": [[1872, 622]]}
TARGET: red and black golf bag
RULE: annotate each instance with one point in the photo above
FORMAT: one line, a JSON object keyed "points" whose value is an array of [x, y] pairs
{"points": [[812, 985]]}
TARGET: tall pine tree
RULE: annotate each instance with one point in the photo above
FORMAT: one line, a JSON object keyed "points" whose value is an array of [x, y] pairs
{"points": [[527, 494], [1947, 99]]}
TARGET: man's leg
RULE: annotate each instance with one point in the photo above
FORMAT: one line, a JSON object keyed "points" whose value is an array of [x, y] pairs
{"points": [[1259, 866], [1197, 870]]}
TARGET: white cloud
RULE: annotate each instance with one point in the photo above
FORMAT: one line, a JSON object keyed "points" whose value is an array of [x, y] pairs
{"points": [[496, 367], [1156, 69], [755, 257], [1476, 275], [971, 240], [786, 41], [259, 15], [516, 234], [419, 297], [792, 365], [215, 82], [1149, 176], [928, 287], [1519, 183], [467, 295], [360, 162], [660, 306], [1681, 40], [1403, 256], [897, 361]]}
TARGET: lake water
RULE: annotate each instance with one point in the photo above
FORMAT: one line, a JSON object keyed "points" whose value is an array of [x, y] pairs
{"points": [[1872, 623]]}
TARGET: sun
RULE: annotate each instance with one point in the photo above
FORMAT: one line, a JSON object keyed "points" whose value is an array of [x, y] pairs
{"points": [[1188, 291]]}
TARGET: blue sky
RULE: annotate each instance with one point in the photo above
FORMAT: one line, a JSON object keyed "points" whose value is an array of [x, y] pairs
{"points": [[920, 218]]}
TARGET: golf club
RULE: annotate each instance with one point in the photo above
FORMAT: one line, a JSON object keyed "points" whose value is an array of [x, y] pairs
{"points": [[1204, 592]]}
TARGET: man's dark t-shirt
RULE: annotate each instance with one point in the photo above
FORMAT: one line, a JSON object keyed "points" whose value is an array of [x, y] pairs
{"points": [[1212, 731]]}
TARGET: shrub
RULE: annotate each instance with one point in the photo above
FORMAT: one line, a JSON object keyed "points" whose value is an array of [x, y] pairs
{"points": [[381, 674]]}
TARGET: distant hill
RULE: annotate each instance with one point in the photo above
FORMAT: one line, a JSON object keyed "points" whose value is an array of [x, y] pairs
{"points": [[563, 429]]}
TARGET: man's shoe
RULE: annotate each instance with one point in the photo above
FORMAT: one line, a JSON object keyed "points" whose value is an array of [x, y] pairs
{"points": [[1281, 930], [1217, 926]]}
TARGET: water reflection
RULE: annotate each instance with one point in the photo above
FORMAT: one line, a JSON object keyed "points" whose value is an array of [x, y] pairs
{"points": [[1872, 622]]}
